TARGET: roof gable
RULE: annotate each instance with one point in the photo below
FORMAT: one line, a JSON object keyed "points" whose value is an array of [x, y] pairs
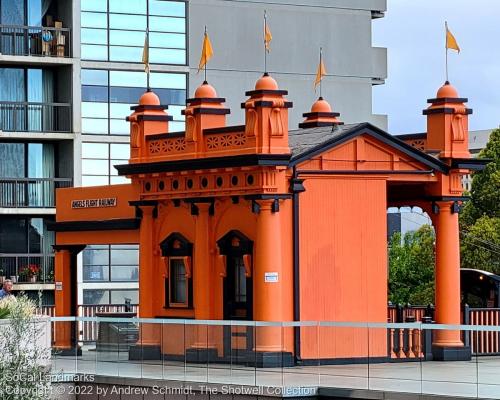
{"points": [[309, 143]]}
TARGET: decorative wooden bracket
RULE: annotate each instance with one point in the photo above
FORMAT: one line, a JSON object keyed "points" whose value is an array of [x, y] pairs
{"points": [[165, 262], [187, 266], [247, 261]]}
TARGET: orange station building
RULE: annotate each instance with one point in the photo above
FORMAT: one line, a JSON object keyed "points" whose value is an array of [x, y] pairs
{"points": [[266, 223]]}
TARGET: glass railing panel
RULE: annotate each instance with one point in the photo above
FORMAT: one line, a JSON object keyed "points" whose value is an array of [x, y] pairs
{"points": [[173, 349], [197, 351], [271, 353], [305, 371], [395, 355], [344, 355], [219, 355], [151, 339], [450, 370]]}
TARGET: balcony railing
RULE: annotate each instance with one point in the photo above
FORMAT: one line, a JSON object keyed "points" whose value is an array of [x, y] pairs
{"points": [[30, 192], [35, 117], [35, 41], [18, 266]]}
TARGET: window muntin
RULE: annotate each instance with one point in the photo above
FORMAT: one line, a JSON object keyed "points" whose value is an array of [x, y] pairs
{"points": [[111, 263], [127, 23], [125, 87], [98, 160], [110, 296]]}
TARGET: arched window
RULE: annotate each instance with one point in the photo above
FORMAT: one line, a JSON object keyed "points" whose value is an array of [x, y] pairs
{"points": [[177, 253]]}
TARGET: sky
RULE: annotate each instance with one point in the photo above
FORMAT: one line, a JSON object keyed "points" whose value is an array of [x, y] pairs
{"points": [[413, 33]]}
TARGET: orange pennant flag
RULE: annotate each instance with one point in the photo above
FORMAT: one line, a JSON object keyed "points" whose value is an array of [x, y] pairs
{"points": [[451, 42], [320, 73], [206, 52], [267, 35], [145, 53]]}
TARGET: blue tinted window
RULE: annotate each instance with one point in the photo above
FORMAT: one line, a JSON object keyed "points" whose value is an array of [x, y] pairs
{"points": [[131, 22], [94, 20], [125, 94], [94, 110], [94, 36], [94, 77], [167, 8], [94, 52], [127, 38], [168, 40], [171, 96], [127, 54], [127, 78], [127, 7], [94, 125], [167, 56], [95, 93], [94, 5], [167, 81], [166, 24]]}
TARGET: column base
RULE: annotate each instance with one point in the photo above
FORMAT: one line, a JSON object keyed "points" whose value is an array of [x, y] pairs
{"points": [[270, 359], [144, 352], [455, 353], [201, 355]]}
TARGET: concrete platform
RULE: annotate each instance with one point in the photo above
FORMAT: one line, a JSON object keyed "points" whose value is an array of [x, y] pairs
{"points": [[479, 378]]}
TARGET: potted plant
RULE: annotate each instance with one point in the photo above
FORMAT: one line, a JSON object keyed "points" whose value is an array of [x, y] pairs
{"points": [[30, 272]]}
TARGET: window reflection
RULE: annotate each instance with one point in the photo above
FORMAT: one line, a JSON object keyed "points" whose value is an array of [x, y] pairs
{"points": [[127, 23]]}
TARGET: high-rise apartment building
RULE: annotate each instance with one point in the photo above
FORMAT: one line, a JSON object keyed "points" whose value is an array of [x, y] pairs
{"points": [[70, 70]]}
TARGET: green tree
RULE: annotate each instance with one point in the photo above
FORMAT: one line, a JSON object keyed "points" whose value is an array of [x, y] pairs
{"points": [[480, 219], [411, 267]]}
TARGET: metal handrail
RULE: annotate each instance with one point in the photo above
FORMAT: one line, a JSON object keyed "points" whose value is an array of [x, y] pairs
{"points": [[26, 116], [28, 40], [30, 192]]}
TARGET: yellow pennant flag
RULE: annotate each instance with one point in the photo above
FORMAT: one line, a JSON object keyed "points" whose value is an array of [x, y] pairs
{"points": [[320, 73], [267, 36], [451, 42], [206, 52], [145, 53]]}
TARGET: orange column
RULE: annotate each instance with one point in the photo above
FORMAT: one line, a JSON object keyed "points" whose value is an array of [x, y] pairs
{"points": [[149, 333], [447, 275], [201, 274], [63, 298], [268, 277]]}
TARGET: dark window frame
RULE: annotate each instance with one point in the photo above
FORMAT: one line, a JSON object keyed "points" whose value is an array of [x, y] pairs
{"points": [[176, 247]]}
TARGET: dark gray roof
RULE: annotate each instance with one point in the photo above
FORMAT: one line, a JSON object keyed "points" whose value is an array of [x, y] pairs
{"points": [[309, 142], [303, 140]]}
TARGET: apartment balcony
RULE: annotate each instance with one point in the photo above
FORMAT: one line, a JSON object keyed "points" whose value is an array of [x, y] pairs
{"points": [[35, 41], [35, 117], [30, 192], [28, 269]]}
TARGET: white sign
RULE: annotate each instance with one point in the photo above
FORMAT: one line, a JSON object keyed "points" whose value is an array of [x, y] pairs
{"points": [[271, 277], [94, 203], [59, 286]]}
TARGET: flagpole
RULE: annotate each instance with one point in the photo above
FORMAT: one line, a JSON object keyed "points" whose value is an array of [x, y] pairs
{"points": [[265, 50], [320, 63], [446, 48], [205, 80]]}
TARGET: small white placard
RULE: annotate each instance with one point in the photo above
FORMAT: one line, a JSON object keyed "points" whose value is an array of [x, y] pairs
{"points": [[271, 277], [59, 286]]}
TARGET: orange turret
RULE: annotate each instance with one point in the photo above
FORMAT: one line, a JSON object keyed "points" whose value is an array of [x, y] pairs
{"points": [[266, 116], [447, 123], [321, 115], [204, 111], [148, 118]]}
